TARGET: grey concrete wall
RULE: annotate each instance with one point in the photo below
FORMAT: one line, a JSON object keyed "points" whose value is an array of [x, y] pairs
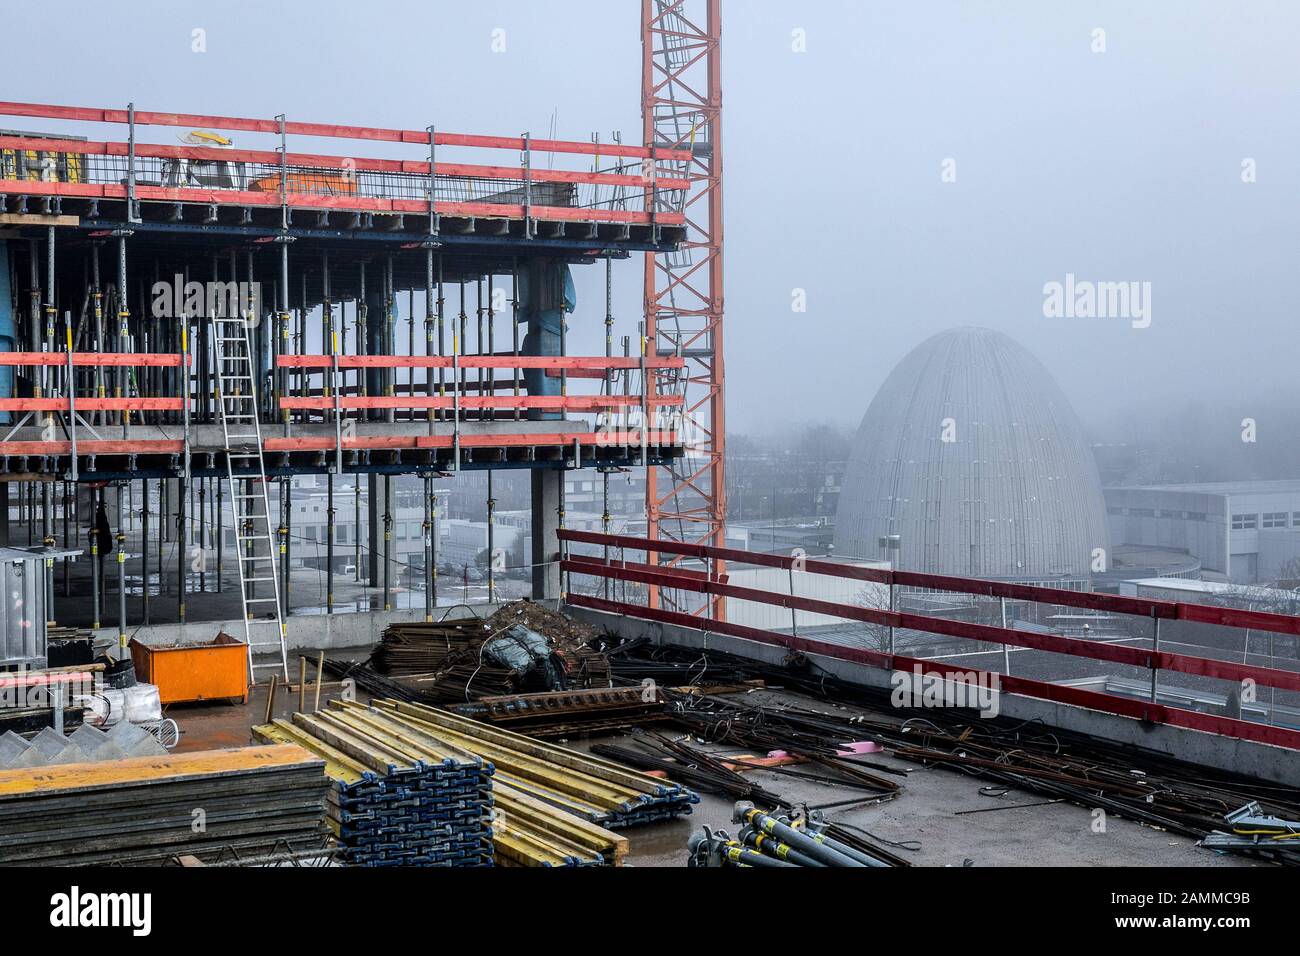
{"points": [[1238, 756], [306, 632]]}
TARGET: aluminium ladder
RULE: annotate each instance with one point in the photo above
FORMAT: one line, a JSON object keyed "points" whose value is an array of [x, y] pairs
{"points": [[254, 540]]}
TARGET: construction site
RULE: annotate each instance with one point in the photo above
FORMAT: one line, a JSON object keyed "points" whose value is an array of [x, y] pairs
{"points": [[216, 328]]}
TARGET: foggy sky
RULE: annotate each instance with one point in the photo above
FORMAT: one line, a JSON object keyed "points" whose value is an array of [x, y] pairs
{"points": [[1123, 165]]}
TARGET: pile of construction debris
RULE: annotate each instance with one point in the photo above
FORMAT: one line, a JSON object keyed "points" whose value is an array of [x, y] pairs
{"points": [[522, 649]]}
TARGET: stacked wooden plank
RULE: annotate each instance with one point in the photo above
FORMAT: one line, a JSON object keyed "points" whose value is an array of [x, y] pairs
{"points": [[592, 788], [394, 804], [146, 810]]}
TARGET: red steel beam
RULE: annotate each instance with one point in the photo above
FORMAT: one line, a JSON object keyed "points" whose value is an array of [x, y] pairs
{"points": [[326, 130], [1021, 686]]}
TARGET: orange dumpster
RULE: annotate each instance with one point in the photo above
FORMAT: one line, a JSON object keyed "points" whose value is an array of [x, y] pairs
{"points": [[187, 672]]}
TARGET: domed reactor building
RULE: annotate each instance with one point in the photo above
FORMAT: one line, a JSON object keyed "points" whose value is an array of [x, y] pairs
{"points": [[971, 455]]}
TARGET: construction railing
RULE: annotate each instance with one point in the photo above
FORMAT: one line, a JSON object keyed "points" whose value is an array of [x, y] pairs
{"points": [[60, 393], [712, 580], [627, 418], [639, 187]]}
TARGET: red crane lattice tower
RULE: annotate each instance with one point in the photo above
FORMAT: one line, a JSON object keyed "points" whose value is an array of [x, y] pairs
{"points": [[681, 107]]}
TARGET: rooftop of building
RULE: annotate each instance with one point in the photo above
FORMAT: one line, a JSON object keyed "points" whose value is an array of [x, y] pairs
{"points": [[1247, 487]]}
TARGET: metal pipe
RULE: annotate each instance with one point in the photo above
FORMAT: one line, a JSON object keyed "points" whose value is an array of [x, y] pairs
{"points": [[203, 534], [221, 538], [144, 550], [286, 539], [329, 544], [429, 571], [181, 549], [121, 572], [94, 561], [388, 541], [491, 540]]}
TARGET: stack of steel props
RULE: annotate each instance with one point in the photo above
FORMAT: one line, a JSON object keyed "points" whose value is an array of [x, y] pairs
{"points": [[563, 712], [524, 831], [770, 840], [394, 805], [597, 790], [146, 810]]}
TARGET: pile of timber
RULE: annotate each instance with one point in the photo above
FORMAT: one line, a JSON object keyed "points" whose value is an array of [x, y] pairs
{"points": [[147, 810], [371, 749], [394, 804]]}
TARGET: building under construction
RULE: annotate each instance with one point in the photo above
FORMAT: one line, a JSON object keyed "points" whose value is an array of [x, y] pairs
{"points": [[201, 335]]}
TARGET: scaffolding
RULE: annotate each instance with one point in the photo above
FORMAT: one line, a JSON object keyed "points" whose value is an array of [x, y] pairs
{"points": [[124, 254]]}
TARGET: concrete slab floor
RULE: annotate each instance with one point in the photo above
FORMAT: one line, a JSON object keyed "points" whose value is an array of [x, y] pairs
{"points": [[927, 810]]}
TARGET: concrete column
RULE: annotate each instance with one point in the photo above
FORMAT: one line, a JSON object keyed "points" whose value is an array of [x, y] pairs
{"points": [[546, 521]]}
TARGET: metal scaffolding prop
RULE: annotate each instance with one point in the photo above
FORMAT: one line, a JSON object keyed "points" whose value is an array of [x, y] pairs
{"points": [[681, 108]]}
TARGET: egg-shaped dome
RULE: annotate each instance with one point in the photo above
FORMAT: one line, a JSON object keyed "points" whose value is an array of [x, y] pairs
{"points": [[971, 454]]}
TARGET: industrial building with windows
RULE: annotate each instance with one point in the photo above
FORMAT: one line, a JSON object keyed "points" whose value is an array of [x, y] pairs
{"points": [[1245, 532]]}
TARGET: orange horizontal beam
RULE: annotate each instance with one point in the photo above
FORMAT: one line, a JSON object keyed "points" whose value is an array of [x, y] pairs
{"points": [[566, 362], [90, 359], [580, 403], [137, 404], [233, 197], [629, 439], [93, 447]]}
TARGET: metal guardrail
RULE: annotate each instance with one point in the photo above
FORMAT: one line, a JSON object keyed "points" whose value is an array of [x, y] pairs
{"points": [[715, 582], [221, 174]]}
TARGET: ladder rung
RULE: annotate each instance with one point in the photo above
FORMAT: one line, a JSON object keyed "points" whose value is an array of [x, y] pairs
{"points": [[256, 600]]}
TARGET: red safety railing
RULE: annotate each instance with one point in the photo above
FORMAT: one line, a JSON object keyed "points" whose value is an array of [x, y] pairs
{"points": [[637, 189], [63, 401], [452, 398], [1155, 660]]}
